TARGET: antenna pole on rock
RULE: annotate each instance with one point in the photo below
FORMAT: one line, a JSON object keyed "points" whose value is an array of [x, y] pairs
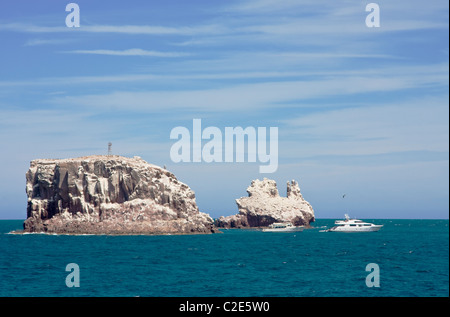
{"points": [[109, 148]]}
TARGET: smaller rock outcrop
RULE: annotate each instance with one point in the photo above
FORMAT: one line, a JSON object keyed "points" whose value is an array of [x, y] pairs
{"points": [[264, 206]]}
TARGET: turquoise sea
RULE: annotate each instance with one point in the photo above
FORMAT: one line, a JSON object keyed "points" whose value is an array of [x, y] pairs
{"points": [[412, 255]]}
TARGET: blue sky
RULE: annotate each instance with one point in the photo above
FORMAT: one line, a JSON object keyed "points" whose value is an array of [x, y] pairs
{"points": [[361, 111]]}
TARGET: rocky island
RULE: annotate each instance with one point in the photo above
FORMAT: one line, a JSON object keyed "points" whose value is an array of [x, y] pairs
{"points": [[264, 206], [109, 195]]}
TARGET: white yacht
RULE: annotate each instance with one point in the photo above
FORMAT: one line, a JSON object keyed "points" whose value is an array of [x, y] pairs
{"points": [[353, 225], [283, 227]]}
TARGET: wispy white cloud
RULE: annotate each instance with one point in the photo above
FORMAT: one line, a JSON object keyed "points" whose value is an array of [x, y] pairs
{"points": [[344, 28], [343, 17], [120, 29], [268, 6], [80, 80], [130, 52], [252, 96], [431, 74], [29, 28], [36, 42]]}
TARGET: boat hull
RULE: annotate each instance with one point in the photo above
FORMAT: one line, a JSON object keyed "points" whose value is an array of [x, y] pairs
{"points": [[373, 228], [291, 229]]}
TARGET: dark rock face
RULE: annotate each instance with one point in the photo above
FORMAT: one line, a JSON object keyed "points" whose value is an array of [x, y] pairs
{"points": [[264, 206], [109, 195]]}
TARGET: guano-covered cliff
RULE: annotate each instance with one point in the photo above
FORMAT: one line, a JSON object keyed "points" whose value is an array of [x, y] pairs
{"points": [[109, 195]]}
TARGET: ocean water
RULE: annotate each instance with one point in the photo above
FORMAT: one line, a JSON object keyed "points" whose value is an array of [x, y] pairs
{"points": [[412, 256]]}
